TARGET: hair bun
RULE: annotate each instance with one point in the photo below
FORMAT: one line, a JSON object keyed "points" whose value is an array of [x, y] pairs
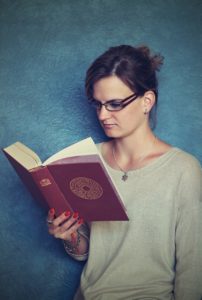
{"points": [[156, 60]]}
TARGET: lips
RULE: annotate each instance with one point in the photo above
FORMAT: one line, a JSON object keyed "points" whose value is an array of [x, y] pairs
{"points": [[108, 125]]}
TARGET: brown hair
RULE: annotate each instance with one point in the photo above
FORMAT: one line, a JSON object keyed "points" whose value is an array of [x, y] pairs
{"points": [[135, 66]]}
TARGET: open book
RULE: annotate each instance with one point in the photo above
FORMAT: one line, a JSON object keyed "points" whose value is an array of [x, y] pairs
{"points": [[74, 179]]}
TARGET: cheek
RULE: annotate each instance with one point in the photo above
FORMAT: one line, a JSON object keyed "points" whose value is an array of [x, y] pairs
{"points": [[129, 115], [134, 117]]}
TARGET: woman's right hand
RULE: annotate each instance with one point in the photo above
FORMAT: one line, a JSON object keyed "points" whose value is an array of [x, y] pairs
{"points": [[64, 226]]}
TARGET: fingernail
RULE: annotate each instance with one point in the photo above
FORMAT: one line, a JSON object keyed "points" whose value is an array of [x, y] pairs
{"points": [[67, 213], [80, 221], [75, 215], [52, 211]]}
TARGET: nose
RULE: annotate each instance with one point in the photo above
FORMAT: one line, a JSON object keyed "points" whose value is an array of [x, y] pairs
{"points": [[103, 113]]}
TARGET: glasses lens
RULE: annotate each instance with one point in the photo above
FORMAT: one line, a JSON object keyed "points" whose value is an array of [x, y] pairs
{"points": [[114, 106]]}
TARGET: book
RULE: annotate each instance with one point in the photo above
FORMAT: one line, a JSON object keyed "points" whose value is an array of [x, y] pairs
{"points": [[75, 179]]}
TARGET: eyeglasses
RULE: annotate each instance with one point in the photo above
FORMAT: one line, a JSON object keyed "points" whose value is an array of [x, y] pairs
{"points": [[113, 105]]}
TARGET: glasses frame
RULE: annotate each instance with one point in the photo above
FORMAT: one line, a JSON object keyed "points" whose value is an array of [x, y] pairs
{"points": [[122, 103]]}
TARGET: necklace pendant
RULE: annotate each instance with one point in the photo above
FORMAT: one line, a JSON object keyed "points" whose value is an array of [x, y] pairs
{"points": [[125, 177]]}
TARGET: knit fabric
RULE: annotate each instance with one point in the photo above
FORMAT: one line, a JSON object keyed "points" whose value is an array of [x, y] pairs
{"points": [[157, 254]]}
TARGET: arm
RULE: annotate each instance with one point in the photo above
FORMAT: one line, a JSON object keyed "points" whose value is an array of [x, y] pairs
{"points": [[72, 231], [77, 247], [188, 279]]}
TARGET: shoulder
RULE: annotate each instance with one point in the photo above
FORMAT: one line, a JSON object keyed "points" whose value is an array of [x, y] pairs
{"points": [[186, 161], [184, 168], [190, 185]]}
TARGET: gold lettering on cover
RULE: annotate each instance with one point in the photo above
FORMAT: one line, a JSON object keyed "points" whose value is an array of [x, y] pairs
{"points": [[45, 182], [86, 188]]}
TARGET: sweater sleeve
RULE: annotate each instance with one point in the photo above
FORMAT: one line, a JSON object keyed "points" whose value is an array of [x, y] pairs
{"points": [[188, 278]]}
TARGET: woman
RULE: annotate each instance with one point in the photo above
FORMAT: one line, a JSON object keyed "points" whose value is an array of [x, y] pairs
{"points": [[158, 253]]}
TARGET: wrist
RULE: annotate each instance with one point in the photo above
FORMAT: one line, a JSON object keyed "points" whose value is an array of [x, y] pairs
{"points": [[81, 251], [72, 245]]}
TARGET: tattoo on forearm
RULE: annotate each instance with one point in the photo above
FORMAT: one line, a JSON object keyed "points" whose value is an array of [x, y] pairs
{"points": [[73, 245]]}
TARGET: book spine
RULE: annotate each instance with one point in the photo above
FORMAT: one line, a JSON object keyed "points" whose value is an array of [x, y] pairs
{"points": [[50, 190]]}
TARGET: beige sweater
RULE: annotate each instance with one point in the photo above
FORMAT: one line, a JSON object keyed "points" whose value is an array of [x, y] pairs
{"points": [[158, 253]]}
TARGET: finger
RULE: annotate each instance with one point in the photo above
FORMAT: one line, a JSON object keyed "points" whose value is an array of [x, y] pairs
{"points": [[55, 224], [63, 223], [69, 223], [62, 218], [66, 232], [74, 228], [76, 225], [51, 216]]}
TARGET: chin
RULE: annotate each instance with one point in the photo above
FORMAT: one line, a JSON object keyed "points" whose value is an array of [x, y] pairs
{"points": [[112, 134]]}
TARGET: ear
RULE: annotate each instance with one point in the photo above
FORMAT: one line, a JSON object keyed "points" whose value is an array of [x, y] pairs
{"points": [[149, 99]]}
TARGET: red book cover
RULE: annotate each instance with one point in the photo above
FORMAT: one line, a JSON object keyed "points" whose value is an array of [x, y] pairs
{"points": [[75, 182], [27, 179]]}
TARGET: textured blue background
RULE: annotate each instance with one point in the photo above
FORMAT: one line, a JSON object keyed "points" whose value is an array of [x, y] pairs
{"points": [[45, 49]]}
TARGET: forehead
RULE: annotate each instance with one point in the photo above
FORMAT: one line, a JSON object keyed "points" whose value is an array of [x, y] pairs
{"points": [[110, 87]]}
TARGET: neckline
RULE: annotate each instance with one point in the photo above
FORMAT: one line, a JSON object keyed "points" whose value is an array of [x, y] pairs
{"points": [[149, 167]]}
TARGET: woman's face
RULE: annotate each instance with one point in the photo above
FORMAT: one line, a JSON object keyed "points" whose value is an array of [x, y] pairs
{"points": [[118, 124]]}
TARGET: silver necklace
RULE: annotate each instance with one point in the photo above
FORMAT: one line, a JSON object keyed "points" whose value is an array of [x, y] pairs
{"points": [[125, 173]]}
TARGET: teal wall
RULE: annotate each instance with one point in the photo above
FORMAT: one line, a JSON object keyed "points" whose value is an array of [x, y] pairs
{"points": [[45, 49]]}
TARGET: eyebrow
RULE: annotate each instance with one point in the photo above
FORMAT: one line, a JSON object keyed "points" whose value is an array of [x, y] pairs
{"points": [[111, 100], [119, 100]]}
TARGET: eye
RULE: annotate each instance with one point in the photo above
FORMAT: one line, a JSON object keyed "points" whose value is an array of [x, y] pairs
{"points": [[114, 104]]}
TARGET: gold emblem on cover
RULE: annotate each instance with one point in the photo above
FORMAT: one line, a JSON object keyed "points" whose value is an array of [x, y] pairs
{"points": [[86, 188], [45, 182]]}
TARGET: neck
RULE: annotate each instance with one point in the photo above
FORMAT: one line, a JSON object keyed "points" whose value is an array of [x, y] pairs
{"points": [[132, 147], [127, 163]]}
